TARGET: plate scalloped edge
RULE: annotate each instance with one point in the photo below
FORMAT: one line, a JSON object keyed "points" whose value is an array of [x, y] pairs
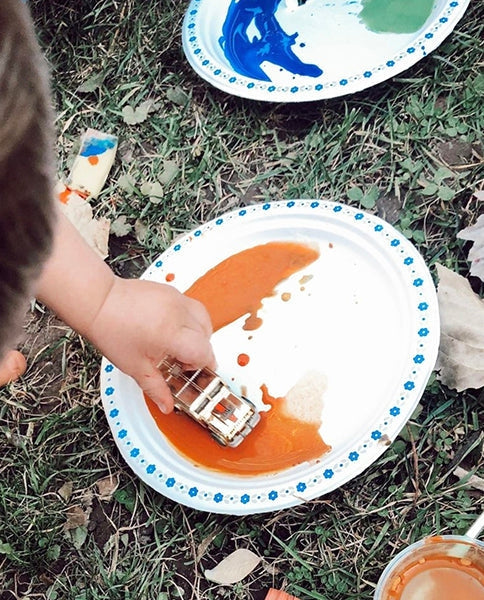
{"points": [[292, 487]]}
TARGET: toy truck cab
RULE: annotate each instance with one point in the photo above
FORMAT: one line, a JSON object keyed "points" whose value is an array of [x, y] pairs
{"points": [[207, 399]]}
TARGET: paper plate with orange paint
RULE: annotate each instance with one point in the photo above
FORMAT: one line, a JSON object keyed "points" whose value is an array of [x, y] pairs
{"points": [[363, 314]]}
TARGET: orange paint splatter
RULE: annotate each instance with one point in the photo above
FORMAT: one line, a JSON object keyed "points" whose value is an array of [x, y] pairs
{"points": [[64, 195], [170, 277], [93, 160], [243, 359]]}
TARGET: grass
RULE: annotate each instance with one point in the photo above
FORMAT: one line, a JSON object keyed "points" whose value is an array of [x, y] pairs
{"points": [[387, 149]]}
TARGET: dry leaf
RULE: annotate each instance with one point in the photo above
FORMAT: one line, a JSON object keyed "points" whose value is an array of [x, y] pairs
{"points": [[141, 230], [461, 352], [92, 83], [133, 116], [76, 517], [94, 231], [65, 491], [473, 481], [475, 233], [170, 171], [120, 226], [107, 486], [234, 567]]}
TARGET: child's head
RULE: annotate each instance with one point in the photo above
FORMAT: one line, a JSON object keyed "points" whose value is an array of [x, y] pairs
{"points": [[26, 166]]}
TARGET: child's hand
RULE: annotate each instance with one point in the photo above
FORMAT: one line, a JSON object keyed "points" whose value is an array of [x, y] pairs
{"points": [[141, 323], [12, 366]]}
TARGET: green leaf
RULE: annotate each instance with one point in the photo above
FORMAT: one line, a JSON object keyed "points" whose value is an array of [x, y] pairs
{"points": [[418, 235], [53, 552], [177, 95], [355, 194], [479, 84], [92, 83], [78, 536], [446, 193], [369, 199], [126, 497], [413, 167], [430, 189], [443, 173], [6, 549]]}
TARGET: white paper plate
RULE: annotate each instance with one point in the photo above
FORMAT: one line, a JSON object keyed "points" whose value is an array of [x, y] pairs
{"points": [[330, 36], [368, 320]]}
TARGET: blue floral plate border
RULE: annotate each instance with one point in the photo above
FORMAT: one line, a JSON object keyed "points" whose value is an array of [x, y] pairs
{"points": [[161, 467], [202, 31]]}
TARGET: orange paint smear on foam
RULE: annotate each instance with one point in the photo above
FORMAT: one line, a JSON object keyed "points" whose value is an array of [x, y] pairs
{"points": [[233, 288]]}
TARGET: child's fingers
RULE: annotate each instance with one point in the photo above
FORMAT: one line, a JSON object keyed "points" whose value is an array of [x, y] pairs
{"points": [[193, 349], [12, 367], [154, 386]]}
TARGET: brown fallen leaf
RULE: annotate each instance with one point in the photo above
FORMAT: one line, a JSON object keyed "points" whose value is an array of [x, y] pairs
{"points": [[65, 491], [234, 567], [94, 231], [475, 233], [461, 354], [76, 517], [107, 486]]}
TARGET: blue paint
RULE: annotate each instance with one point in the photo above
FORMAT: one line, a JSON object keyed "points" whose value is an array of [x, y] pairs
{"points": [[95, 146], [273, 45]]}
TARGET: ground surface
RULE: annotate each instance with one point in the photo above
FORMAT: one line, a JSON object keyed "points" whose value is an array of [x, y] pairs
{"points": [[410, 150]]}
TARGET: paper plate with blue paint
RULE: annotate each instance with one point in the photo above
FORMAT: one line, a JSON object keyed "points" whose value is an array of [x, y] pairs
{"points": [[367, 320], [280, 51]]}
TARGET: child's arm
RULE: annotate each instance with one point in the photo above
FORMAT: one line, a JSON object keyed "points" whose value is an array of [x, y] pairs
{"points": [[134, 323]]}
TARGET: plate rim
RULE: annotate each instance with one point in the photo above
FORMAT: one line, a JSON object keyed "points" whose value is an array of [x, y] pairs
{"points": [[224, 500], [428, 39]]}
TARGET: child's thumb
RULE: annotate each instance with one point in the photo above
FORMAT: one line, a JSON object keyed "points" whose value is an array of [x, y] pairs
{"points": [[156, 388]]}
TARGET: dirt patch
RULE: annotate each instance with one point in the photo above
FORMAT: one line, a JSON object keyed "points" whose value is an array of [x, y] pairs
{"points": [[455, 152], [100, 525], [45, 339], [388, 208]]}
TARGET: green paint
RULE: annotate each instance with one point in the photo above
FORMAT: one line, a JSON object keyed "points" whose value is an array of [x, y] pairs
{"points": [[395, 16]]}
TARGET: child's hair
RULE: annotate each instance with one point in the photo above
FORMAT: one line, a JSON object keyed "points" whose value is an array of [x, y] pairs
{"points": [[26, 166]]}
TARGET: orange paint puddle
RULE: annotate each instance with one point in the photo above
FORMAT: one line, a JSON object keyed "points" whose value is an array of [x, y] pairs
{"points": [[278, 442], [442, 577], [237, 285], [232, 289]]}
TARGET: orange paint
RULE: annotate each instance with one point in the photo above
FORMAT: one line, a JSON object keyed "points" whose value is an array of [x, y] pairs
{"points": [[243, 359], [230, 290], [93, 160], [443, 578], [64, 195], [237, 285], [273, 594], [170, 277], [278, 442]]}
